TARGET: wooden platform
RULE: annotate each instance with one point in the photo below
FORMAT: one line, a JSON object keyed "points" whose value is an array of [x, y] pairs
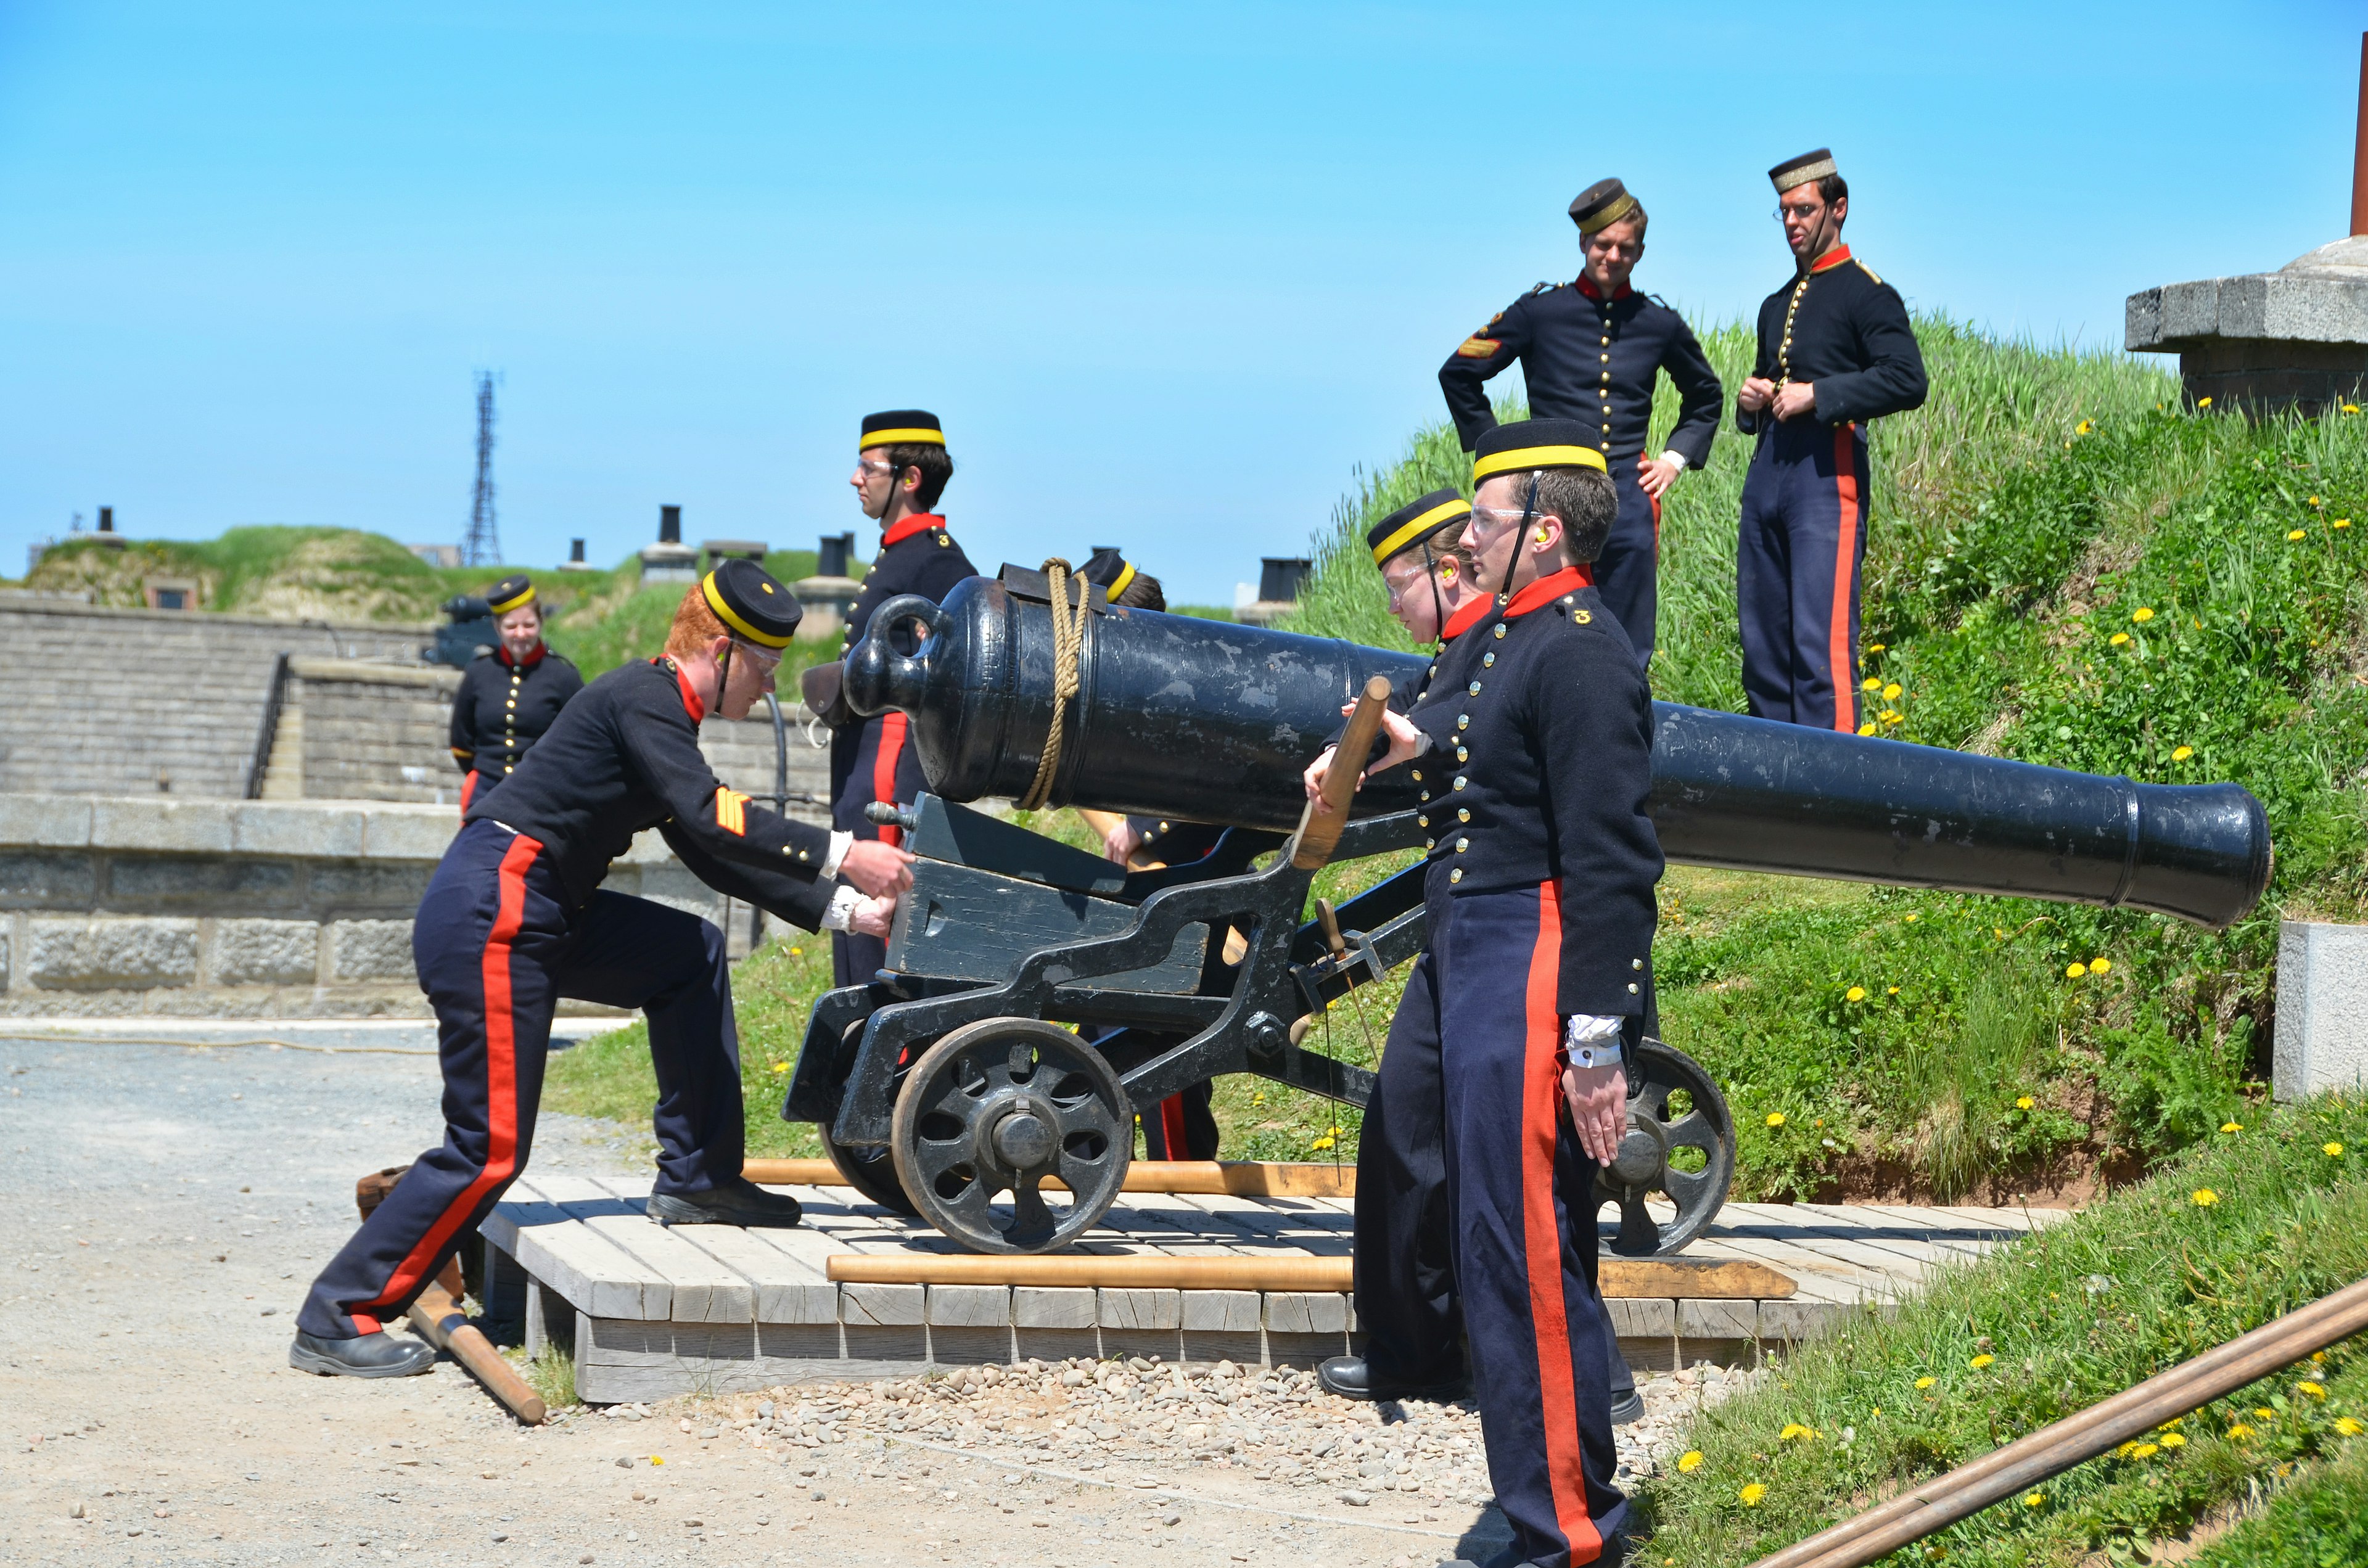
{"points": [[652, 1311]]}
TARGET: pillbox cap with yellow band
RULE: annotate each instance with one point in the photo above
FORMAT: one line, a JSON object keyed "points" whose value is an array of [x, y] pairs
{"points": [[752, 603], [1415, 522], [1534, 443]]}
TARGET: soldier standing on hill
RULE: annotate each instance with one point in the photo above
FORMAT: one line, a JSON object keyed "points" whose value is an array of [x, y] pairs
{"points": [[900, 472], [1836, 350], [1589, 351], [510, 694]]}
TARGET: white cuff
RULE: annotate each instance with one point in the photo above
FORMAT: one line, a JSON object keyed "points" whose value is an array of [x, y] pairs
{"points": [[839, 845], [840, 915], [1591, 1040], [1675, 459]]}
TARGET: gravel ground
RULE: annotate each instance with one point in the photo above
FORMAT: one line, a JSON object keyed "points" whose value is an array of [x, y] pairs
{"points": [[161, 1209]]}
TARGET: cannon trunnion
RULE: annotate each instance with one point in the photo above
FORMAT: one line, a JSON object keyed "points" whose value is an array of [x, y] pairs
{"points": [[940, 1089]]}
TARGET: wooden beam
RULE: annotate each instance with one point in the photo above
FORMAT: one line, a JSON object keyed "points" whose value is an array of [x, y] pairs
{"points": [[1235, 1178], [1651, 1278]]}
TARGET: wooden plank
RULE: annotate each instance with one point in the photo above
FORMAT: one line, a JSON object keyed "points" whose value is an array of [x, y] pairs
{"points": [[704, 1289], [786, 1289], [593, 1276], [1240, 1178], [1666, 1277]]}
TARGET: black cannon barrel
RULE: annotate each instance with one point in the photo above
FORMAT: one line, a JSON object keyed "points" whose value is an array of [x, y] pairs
{"points": [[1214, 722]]}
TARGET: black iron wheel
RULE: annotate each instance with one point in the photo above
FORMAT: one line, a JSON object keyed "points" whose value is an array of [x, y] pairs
{"points": [[871, 1171], [992, 1111], [1679, 1147]]}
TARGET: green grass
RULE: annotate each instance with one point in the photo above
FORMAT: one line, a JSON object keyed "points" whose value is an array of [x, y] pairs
{"points": [[2047, 1327]]}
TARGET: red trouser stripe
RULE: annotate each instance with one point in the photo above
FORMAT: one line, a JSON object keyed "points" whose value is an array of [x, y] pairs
{"points": [[501, 1084], [1542, 1239], [884, 769], [1171, 1126], [1838, 664], [468, 788]]}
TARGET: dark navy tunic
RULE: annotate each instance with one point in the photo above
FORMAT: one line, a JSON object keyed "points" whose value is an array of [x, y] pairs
{"points": [[502, 708]]}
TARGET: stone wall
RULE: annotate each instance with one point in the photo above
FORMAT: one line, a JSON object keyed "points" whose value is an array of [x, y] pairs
{"points": [[134, 702], [240, 909], [374, 732]]}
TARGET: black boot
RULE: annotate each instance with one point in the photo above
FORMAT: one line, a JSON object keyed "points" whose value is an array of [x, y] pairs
{"points": [[1350, 1378], [1627, 1404], [736, 1202], [368, 1356]]}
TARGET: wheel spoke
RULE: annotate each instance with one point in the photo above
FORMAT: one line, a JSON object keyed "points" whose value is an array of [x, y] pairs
{"points": [[1693, 1131], [1639, 1236], [934, 1157], [1686, 1188], [1031, 1221]]}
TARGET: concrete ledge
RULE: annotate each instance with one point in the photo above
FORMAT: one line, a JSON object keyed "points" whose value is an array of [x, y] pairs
{"points": [[2320, 1040], [2285, 306]]}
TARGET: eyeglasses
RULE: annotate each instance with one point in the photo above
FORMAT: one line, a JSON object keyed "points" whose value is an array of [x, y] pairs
{"points": [[1804, 210], [1499, 517], [767, 660], [875, 465]]}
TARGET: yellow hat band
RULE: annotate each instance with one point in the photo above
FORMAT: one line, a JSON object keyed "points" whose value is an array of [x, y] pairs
{"points": [[503, 606], [1119, 586], [1610, 215], [1800, 174], [1538, 457], [903, 438], [1420, 526], [724, 613]]}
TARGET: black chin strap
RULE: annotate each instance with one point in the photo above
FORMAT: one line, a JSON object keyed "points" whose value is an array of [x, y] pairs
{"points": [[722, 678], [1521, 535], [1437, 605]]}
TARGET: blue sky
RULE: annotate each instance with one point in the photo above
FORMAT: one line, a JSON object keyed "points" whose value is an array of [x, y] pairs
{"points": [[1167, 272]]}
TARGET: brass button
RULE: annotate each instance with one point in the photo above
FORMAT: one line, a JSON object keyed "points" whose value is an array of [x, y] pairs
{"points": [[1462, 845], [1461, 755], [1474, 688], [1422, 822], [1500, 629], [1429, 844], [1487, 659], [1426, 794], [510, 770], [1462, 813], [1636, 963], [1459, 781], [1463, 720], [1418, 775], [1607, 359], [1631, 988], [1456, 875]]}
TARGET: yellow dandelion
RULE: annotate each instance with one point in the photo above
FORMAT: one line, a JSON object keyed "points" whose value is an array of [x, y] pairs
{"points": [[2341, 523], [2117, 639], [1891, 693], [2142, 615], [2181, 753], [2294, 534], [2204, 1197], [781, 1066], [2239, 1432], [1855, 993], [1321, 1144], [2146, 1451], [1753, 1495], [1775, 1119], [1690, 1461], [2315, 1390], [1925, 1383], [2319, 1358], [1875, 647], [2075, 970], [2349, 1426], [656, 1459], [2202, 402], [1793, 1431], [1914, 919], [1866, 729], [2100, 966], [2314, 500], [2232, 1127], [1978, 1362], [2035, 1500], [2263, 1413], [2332, 1151], [2082, 428], [1891, 991], [2024, 1103], [1872, 683], [2351, 408], [797, 952], [2173, 1440]]}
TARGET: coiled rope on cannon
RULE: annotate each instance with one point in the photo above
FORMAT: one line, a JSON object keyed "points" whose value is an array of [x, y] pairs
{"points": [[1068, 639]]}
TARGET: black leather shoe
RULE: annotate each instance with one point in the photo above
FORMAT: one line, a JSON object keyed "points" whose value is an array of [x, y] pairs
{"points": [[1349, 1378], [736, 1202], [1626, 1407], [368, 1356]]}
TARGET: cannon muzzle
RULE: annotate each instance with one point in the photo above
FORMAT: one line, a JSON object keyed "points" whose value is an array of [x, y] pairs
{"points": [[1213, 722]]}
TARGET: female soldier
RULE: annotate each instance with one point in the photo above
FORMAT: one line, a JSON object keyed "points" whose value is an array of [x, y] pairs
{"points": [[510, 694]]}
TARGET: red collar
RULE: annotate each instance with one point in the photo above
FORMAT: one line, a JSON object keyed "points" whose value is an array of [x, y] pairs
{"points": [[1587, 287], [906, 527], [501, 652], [1545, 590], [1467, 616], [690, 702], [1830, 260]]}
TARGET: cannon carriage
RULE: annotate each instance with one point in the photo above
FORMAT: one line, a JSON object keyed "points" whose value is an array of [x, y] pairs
{"points": [[1036, 994]]}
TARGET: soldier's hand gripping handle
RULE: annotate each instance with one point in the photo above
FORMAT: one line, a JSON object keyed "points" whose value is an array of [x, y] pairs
{"points": [[1320, 824]]}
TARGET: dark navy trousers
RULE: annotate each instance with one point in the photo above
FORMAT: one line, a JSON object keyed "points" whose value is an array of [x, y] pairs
{"points": [[1797, 573], [497, 946], [1628, 572], [1523, 1225], [1404, 1256]]}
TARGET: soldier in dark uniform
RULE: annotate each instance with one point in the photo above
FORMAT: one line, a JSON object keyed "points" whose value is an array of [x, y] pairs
{"points": [[899, 474], [510, 694], [1836, 350], [515, 919], [1589, 351], [1535, 776]]}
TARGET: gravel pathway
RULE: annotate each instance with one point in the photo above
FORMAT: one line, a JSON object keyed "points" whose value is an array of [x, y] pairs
{"points": [[163, 1207]]}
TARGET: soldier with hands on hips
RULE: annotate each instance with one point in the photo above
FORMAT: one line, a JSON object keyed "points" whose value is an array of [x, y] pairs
{"points": [[1590, 351], [515, 919], [1836, 350], [1532, 781], [510, 694]]}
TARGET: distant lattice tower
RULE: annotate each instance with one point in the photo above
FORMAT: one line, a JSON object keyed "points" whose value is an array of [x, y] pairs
{"points": [[483, 545]]}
